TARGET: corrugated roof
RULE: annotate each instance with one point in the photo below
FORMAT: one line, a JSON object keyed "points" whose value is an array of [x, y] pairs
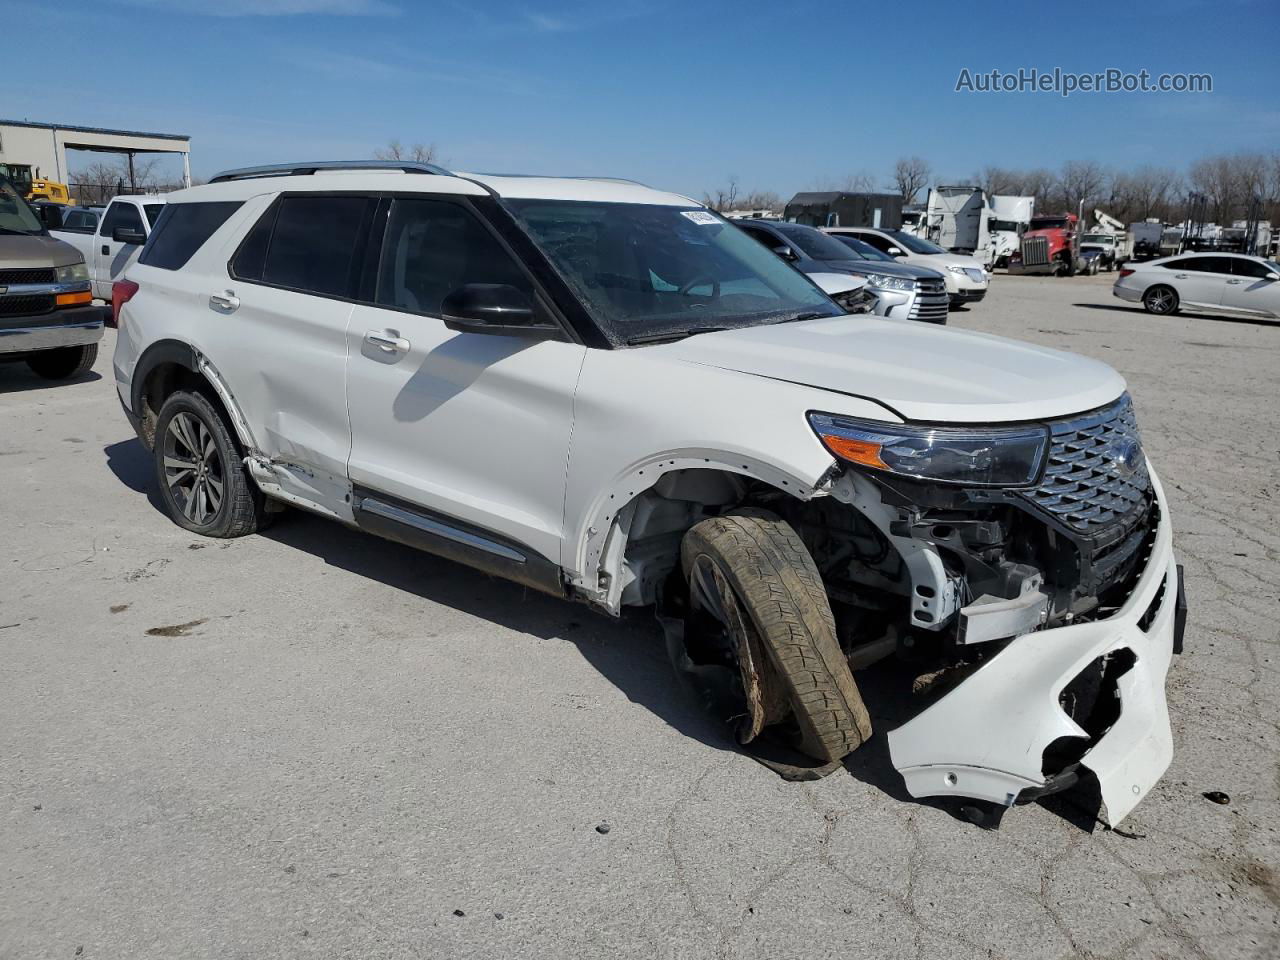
{"points": [[75, 129]]}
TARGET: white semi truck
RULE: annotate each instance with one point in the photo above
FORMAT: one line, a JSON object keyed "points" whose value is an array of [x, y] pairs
{"points": [[1009, 219]]}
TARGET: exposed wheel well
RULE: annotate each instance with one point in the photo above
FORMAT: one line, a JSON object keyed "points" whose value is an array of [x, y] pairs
{"points": [[163, 380]]}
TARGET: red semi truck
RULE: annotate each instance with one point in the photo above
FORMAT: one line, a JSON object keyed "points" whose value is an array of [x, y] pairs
{"points": [[1051, 245]]}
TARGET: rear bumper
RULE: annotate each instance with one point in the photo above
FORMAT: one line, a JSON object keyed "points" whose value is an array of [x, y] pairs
{"points": [[987, 737], [72, 327], [1127, 293]]}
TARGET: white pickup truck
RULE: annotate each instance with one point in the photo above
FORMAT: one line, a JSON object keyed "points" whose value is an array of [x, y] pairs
{"points": [[111, 248]]}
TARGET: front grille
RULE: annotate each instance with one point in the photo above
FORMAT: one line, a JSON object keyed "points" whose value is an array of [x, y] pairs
{"points": [[931, 308], [25, 306], [931, 287], [9, 278], [1096, 481], [1035, 251]]}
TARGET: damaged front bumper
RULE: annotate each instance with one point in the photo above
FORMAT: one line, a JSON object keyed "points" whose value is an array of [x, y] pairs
{"points": [[987, 738]]}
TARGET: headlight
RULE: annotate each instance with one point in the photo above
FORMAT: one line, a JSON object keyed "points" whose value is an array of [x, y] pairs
{"points": [[954, 269], [862, 300], [74, 273], [988, 456], [886, 282]]}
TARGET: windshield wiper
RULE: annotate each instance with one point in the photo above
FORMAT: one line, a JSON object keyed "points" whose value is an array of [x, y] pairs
{"points": [[668, 336], [796, 318]]}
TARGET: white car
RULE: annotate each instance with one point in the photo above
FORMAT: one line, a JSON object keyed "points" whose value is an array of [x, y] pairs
{"points": [[110, 240], [1228, 282], [611, 394], [967, 277]]}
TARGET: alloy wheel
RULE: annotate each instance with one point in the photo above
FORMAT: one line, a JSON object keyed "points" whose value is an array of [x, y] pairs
{"points": [[193, 468]]}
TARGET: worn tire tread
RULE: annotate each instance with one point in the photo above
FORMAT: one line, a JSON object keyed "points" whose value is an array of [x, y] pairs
{"points": [[780, 588]]}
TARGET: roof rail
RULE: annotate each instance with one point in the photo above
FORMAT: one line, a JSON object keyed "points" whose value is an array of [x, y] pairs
{"points": [[305, 169], [553, 176]]}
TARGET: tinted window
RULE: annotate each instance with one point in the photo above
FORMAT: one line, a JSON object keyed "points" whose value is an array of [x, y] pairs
{"points": [[313, 246], [1202, 264], [816, 244], [876, 241], [1242, 267], [863, 249], [432, 248], [249, 260], [121, 215], [182, 230], [80, 221], [153, 212], [762, 236]]}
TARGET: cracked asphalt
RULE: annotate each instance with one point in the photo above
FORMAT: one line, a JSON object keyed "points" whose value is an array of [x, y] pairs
{"points": [[312, 743]]}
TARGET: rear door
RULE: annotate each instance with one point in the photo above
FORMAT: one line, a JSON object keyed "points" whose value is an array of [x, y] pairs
{"points": [[275, 328], [1200, 280], [111, 258], [1249, 289], [469, 430]]}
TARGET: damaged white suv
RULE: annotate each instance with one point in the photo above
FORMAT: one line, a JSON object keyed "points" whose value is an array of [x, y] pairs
{"points": [[611, 394]]}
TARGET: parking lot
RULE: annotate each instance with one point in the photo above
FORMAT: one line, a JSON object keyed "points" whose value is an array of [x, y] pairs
{"points": [[315, 743]]}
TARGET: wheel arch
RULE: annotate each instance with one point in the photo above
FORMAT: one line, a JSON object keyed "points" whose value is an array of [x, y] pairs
{"points": [[628, 508], [170, 365]]}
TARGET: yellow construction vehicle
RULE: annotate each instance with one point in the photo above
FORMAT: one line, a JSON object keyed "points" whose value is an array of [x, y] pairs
{"points": [[33, 186]]}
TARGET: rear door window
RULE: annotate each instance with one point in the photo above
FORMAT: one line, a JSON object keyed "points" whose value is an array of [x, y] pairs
{"points": [[181, 230], [309, 243], [1244, 267]]}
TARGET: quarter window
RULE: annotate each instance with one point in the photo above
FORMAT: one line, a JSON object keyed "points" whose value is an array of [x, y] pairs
{"points": [[433, 247], [181, 231]]}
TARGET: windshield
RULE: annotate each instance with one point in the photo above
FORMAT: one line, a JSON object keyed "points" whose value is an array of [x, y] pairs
{"points": [[1048, 223], [914, 244], [1098, 238], [864, 250], [817, 245], [15, 215], [648, 271], [1010, 225]]}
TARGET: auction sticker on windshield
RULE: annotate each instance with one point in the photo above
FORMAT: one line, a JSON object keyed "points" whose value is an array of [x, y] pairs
{"points": [[700, 216]]}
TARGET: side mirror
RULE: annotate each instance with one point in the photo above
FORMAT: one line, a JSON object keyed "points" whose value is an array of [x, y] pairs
{"points": [[785, 252], [128, 235], [895, 252], [1272, 276], [51, 216], [496, 308]]}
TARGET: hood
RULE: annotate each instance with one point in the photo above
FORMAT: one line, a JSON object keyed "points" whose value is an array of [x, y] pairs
{"points": [[35, 250], [835, 282], [921, 371], [940, 261], [1053, 233], [862, 268]]}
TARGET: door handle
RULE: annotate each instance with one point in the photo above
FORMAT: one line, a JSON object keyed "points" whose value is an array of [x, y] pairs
{"points": [[229, 302], [385, 341], [106, 250], [1235, 281], [1179, 276]]}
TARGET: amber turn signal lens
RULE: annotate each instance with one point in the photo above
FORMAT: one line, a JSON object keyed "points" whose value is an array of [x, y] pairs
{"points": [[857, 451], [71, 299]]}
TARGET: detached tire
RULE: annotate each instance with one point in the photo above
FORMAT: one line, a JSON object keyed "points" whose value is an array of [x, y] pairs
{"points": [[202, 479], [65, 363], [778, 606]]}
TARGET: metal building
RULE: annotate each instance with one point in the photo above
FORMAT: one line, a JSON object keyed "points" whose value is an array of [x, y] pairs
{"points": [[45, 145]]}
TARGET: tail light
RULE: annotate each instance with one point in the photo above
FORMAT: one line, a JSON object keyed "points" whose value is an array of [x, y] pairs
{"points": [[122, 292], [1125, 272]]}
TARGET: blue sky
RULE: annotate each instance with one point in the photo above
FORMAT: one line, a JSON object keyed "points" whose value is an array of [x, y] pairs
{"points": [[784, 94]]}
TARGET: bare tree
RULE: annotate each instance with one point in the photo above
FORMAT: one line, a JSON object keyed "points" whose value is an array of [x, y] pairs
{"points": [[999, 181], [1145, 192], [1081, 181], [418, 153], [100, 181], [724, 198], [910, 175]]}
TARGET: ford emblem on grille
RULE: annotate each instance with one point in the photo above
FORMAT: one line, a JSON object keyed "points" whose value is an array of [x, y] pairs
{"points": [[1126, 457]]}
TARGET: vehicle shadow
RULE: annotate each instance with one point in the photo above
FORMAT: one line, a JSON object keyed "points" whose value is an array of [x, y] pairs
{"points": [[1217, 317], [133, 466], [16, 377]]}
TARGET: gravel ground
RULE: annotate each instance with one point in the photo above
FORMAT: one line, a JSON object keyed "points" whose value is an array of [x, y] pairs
{"points": [[314, 743]]}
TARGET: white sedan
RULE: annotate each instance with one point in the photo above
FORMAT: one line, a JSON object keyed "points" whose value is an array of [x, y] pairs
{"points": [[1228, 282]]}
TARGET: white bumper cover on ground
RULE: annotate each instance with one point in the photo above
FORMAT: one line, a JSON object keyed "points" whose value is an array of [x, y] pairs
{"points": [[986, 738]]}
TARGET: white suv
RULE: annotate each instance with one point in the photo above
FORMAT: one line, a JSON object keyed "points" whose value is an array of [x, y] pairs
{"points": [[611, 394]]}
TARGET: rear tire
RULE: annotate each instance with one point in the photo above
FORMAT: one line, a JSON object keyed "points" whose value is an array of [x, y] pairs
{"points": [[775, 585], [1161, 300], [65, 363], [203, 481]]}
